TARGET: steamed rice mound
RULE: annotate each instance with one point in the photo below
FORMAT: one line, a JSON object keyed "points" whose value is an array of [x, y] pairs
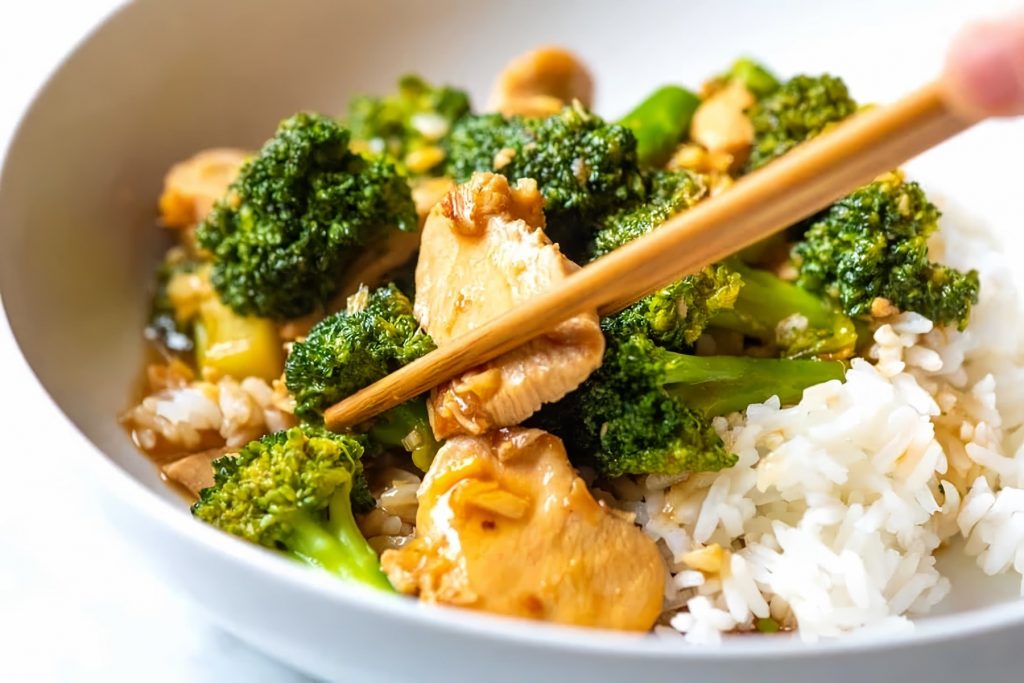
{"points": [[831, 519]]}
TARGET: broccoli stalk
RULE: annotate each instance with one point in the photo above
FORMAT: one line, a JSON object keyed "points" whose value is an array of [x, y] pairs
{"points": [[297, 215], [647, 410], [291, 491], [755, 77], [718, 385], [786, 317], [337, 545], [407, 426], [661, 122]]}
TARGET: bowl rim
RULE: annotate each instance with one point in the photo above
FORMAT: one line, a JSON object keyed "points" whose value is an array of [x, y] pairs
{"points": [[465, 623]]}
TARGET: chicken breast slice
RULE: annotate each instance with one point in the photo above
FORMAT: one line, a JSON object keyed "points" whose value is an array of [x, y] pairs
{"points": [[192, 186], [506, 525], [483, 251]]}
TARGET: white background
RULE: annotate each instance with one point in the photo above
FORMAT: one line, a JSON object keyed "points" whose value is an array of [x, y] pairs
{"points": [[75, 603]]}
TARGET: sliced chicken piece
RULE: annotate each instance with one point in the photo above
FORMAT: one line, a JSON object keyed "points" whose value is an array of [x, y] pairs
{"points": [[194, 472], [506, 525], [427, 192], [483, 251], [192, 186], [721, 125], [540, 82]]}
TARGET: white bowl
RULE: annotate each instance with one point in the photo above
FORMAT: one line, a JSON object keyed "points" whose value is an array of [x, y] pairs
{"points": [[159, 80]]}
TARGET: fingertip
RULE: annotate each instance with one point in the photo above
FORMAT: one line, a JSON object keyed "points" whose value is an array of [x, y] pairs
{"points": [[984, 73]]}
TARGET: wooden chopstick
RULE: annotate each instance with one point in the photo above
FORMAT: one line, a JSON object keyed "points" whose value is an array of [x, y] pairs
{"points": [[785, 191]]}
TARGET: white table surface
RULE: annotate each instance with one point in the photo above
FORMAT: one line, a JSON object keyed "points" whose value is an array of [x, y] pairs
{"points": [[75, 603]]}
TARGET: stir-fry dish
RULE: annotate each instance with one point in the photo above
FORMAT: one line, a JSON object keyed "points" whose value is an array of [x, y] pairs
{"points": [[783, 441]]}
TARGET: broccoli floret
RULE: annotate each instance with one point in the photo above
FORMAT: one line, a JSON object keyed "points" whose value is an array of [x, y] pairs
{"points": [[731, 296], [165, 325], [346, 351], [798, 110], [675, 316], [409, 125], [874, 244], [646, 410], [786, 318], [291, 491], [719, 385], [666, 194], [361, 496], [297, 215], [584, 166]]}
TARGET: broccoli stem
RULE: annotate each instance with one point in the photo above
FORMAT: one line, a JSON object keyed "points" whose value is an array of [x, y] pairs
{"points": [[339, 547], [314, 544], [718, 385], [754, 77], [660, 122], [408, 426], [362, 559], [770, 309]]}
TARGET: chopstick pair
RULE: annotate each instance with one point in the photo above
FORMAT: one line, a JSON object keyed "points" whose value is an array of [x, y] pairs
{"points": [[789, 189]]}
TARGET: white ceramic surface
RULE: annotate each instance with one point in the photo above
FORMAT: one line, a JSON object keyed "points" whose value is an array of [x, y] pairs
{"points": [[161, 79]]}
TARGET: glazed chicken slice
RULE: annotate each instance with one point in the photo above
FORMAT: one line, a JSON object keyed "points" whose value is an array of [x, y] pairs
{"points": [[483, 251], [192, 186], [505, 525]]}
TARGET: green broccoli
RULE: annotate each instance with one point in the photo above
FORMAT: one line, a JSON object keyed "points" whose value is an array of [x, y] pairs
{"points": [[755, 77], [661, 122], [796, 111], [584, 167], [349, 350], [409, 125], [291, 491], [781, 315], [297, 215], [407, 426], [165, 325], [646, 410], [346, 351], [675, 316], [787, 318], [666, 193], [874, 244]]}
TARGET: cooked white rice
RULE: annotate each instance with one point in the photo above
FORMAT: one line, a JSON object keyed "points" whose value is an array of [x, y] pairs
{"points": [[392, 523], [831, 518], [179, 416]]}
